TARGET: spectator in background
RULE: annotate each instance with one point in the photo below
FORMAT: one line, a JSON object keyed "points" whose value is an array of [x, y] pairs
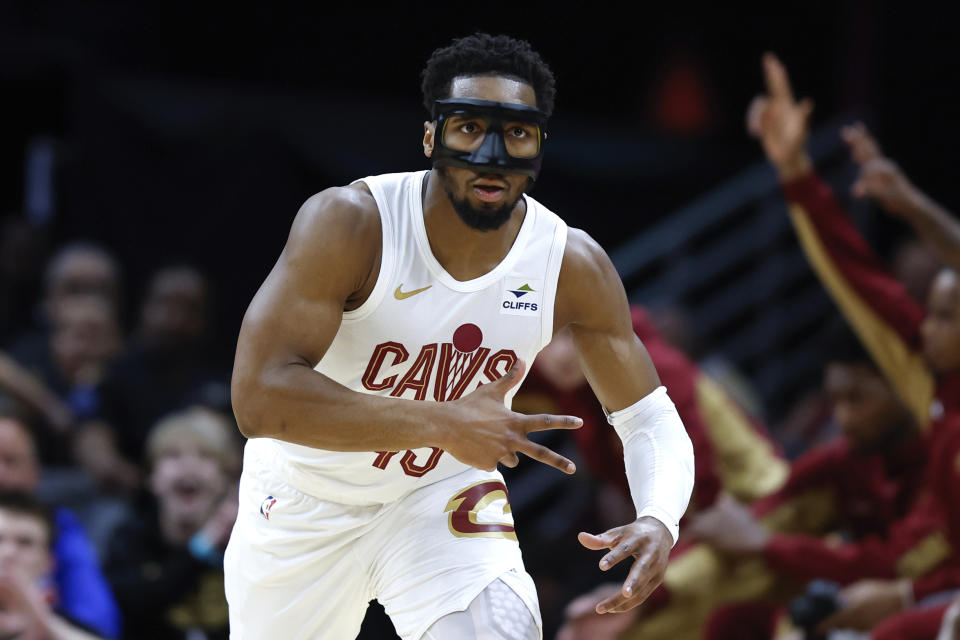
{"points": [[676, 326], [79, 589], [858, 490], [79, 268], [166, 563], [64, 354], [859, 486], [84, 339], [732, 452], [166, 368], [26, 609], [917, 350]]}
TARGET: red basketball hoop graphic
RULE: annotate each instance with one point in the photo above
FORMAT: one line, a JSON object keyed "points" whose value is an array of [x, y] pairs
{"points": [[459, 362]]}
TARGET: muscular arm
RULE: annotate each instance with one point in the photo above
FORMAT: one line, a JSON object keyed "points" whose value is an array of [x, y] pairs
{"points": [[329, 264], [592, 302], [657, 451], [332, 249]]}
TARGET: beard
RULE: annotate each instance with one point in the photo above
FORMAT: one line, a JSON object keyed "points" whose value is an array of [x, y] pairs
{"points": [[481, 219]]}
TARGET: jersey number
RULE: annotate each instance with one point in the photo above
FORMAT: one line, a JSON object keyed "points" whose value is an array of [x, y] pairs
{"points": [[409, 461]]}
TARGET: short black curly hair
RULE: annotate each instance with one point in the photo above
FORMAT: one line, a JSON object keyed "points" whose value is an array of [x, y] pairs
{"points": [[482, 54]]}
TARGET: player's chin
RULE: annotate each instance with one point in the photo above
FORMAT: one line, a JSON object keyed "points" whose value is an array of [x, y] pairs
{"points": [[484, 205]]}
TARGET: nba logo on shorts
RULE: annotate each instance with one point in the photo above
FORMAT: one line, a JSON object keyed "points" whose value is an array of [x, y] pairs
{"points": [[266, 505]]}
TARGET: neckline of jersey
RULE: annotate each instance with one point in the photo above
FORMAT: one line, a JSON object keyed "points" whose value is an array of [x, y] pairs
{"points": [[480, 282]]}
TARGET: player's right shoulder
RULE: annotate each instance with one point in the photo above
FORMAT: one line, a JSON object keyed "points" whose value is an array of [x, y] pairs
{"points": [[351, 210], [336, 234], [337, 219]]}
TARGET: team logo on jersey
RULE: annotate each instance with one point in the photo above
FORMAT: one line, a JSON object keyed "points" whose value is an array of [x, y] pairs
{"points": [[481, 510], [521, 297], [447, 369], [266, 505]]}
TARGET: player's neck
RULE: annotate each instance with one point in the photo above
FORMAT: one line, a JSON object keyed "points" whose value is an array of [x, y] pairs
{"points": [[464, 252]]}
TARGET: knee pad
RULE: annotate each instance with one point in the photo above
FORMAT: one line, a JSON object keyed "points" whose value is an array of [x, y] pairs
{"points": [[497, 613]]}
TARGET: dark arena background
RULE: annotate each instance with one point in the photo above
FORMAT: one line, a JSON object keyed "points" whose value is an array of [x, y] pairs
{"points": [[190, 135]]}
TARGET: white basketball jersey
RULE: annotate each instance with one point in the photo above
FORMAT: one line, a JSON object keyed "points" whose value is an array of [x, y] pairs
{"points": [[422, 335]]}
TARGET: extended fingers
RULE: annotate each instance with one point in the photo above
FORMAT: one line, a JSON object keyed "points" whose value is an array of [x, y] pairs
{"points": [[777, 80], [596, 542], [625, 548], [645, 575], [547, 456], [863, 147], [544, 421], [643, 578], [515, 373], [620, 601]]}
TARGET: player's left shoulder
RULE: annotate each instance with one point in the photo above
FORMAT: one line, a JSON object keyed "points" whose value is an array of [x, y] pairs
{"points": [[583, 257], [588, 280]]}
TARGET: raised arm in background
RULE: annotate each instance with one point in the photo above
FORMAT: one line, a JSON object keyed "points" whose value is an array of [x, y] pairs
{"points": [[882, 180], [878, 308]]}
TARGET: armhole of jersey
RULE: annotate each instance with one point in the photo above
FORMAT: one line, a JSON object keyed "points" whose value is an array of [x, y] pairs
{"points": [[551, 276], [387, 258]]}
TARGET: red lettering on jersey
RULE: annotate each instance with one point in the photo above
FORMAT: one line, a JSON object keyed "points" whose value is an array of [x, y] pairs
{"points": [[499, 363], [384, 458], [418, 376], [411, 468], [400, 354], [447, 377], [465, 506]]}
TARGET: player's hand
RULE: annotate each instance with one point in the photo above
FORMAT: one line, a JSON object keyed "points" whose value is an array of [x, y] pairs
{"points": [[729, 526], [645, 539], [865, 604], [780, 122], [880, 178], [484, 432]]}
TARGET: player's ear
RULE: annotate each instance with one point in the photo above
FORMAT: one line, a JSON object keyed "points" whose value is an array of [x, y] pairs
{"points": [[429, 128]]}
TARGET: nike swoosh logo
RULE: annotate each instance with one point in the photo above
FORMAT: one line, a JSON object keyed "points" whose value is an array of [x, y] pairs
{"points": [[403, 295]]}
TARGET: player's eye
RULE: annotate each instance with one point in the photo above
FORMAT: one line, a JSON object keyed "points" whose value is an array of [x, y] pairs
{"points": [[470, 127]]}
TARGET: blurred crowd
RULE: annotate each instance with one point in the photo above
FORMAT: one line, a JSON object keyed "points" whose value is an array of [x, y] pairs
{"points": [[119, 457], [118, 453], [855, 534]]}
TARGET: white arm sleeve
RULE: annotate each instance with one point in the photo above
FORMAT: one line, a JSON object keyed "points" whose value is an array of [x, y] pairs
{"points": [[658, 456]]}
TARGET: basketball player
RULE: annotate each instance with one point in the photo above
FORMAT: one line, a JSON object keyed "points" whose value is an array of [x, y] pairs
{"points": [[375, 369]]}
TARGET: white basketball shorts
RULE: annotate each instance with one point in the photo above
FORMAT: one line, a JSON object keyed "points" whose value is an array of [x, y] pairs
{"points": [[301, 568]]}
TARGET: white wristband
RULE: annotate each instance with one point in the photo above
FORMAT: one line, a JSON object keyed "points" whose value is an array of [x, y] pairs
{"points": [[658, 456]]}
